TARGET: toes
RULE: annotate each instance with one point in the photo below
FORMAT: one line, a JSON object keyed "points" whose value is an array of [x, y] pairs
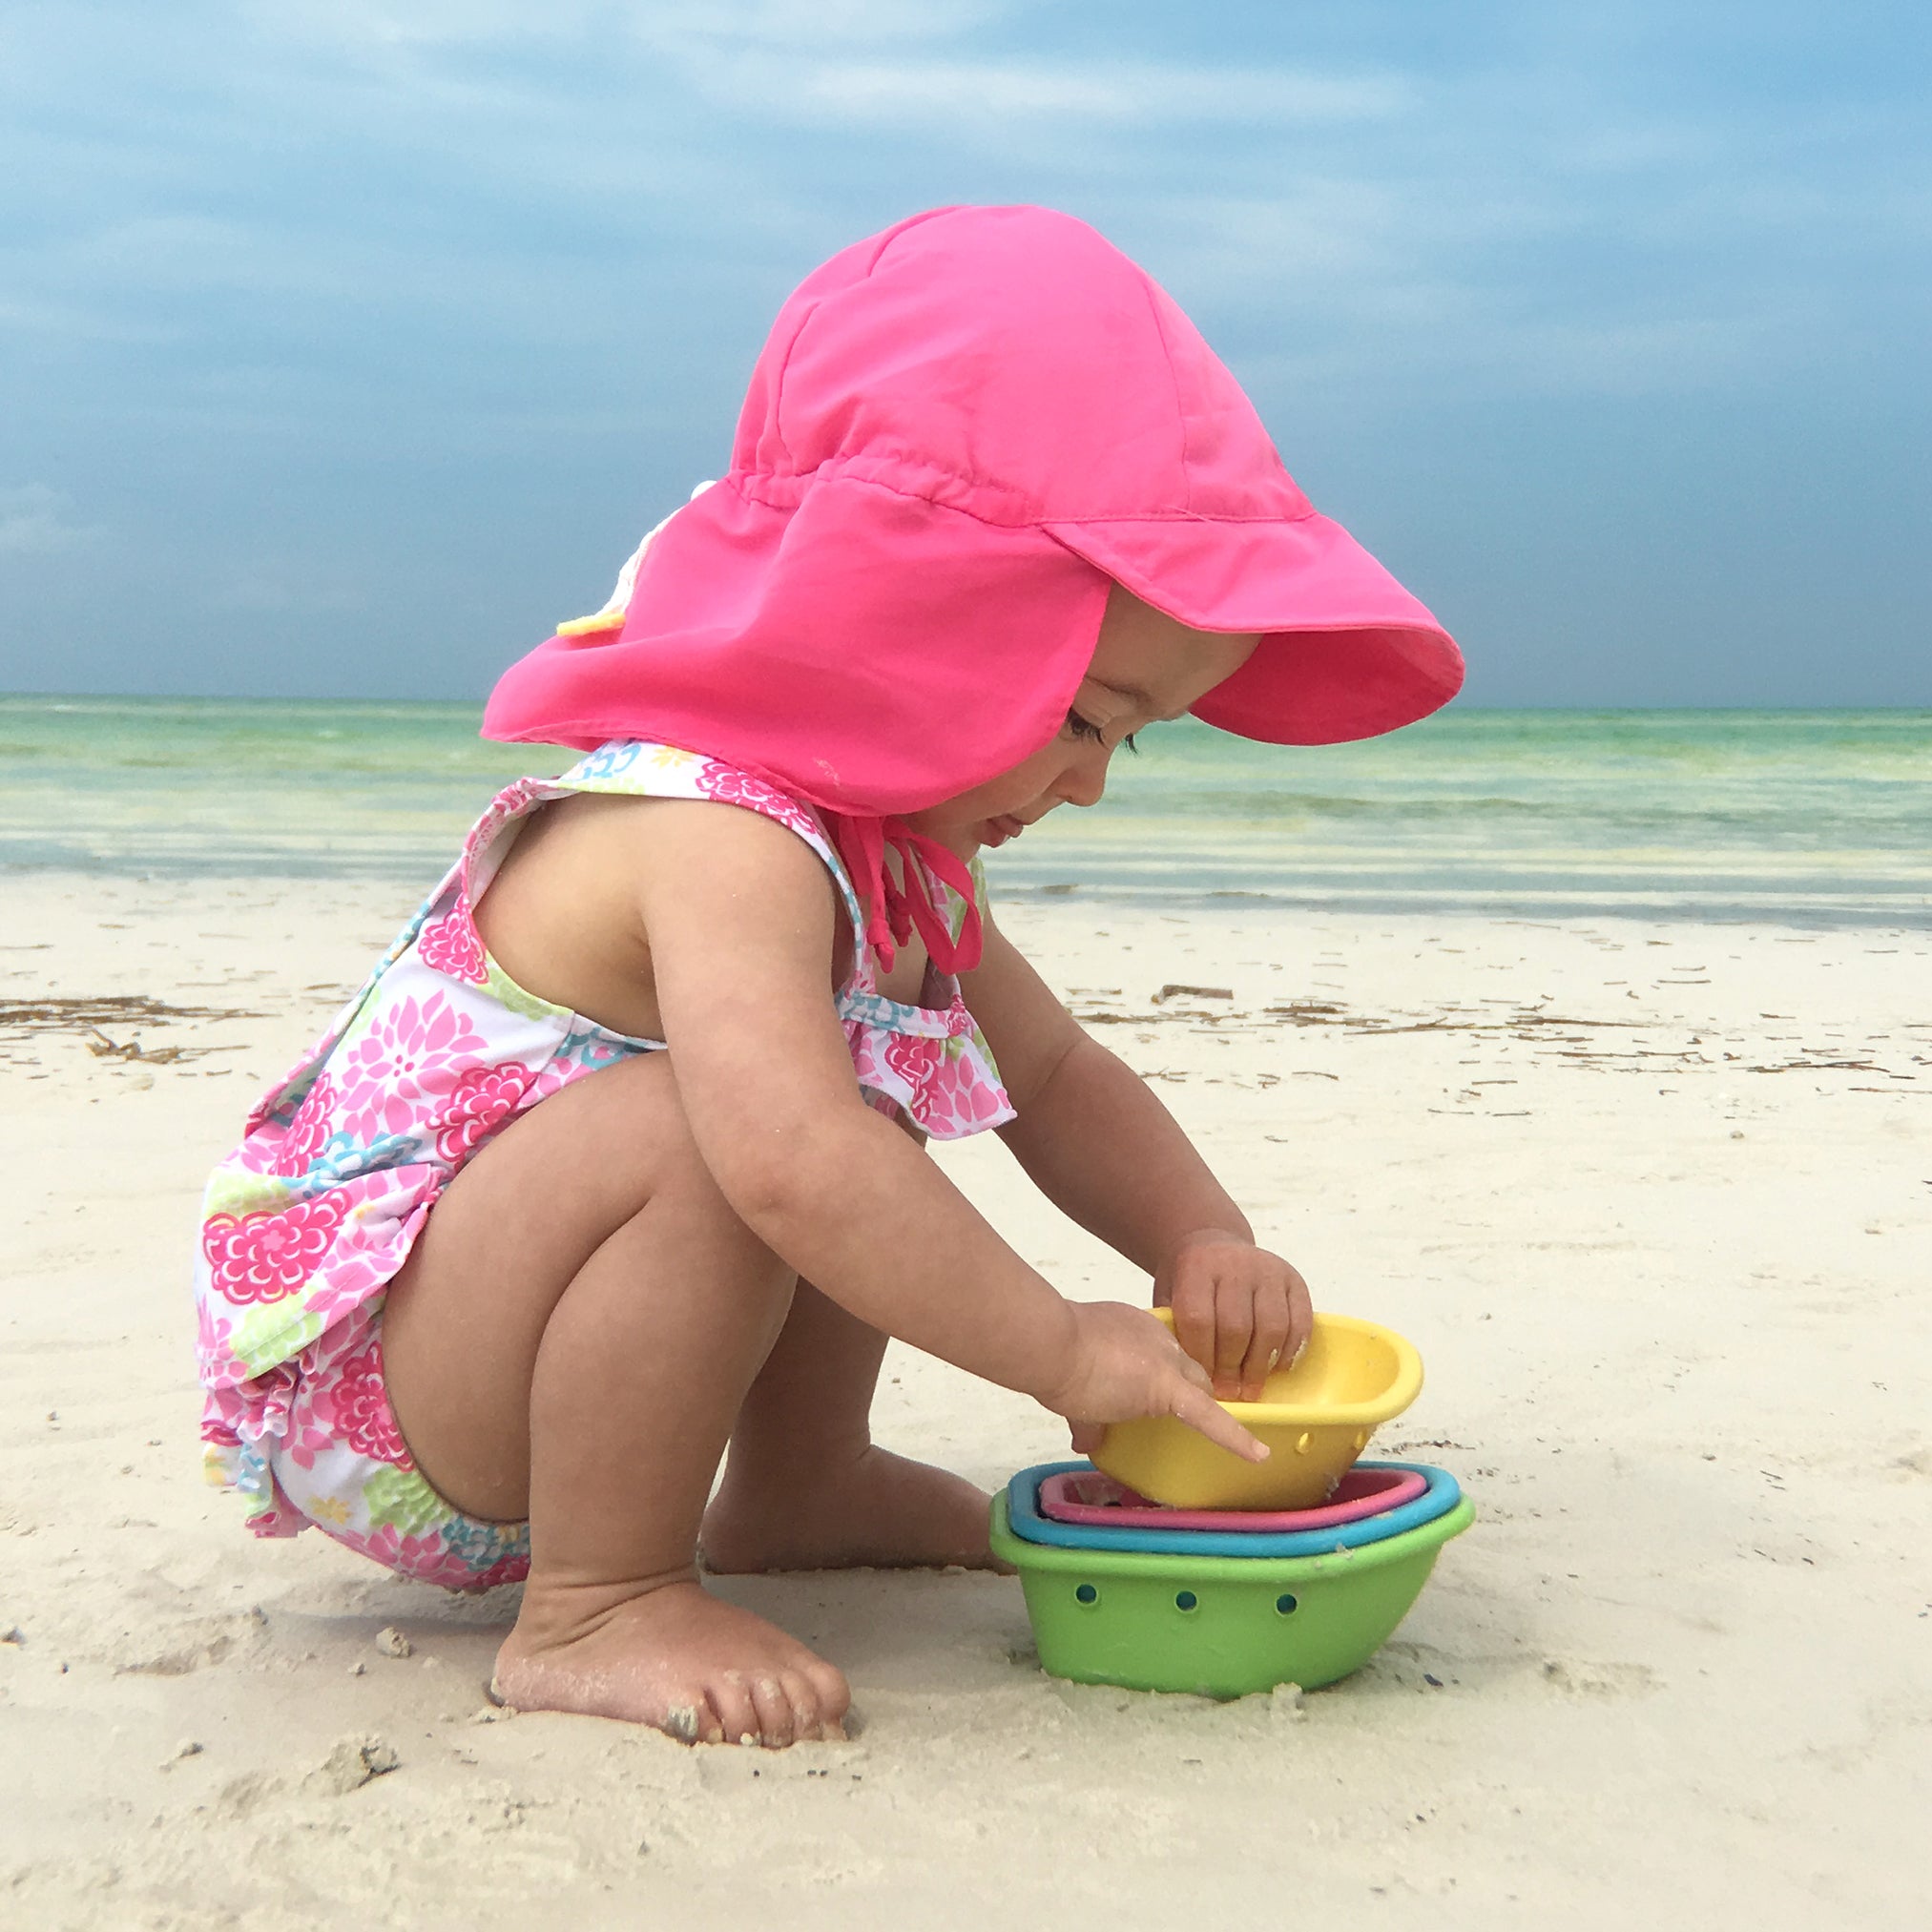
{"points": [[694, 1723], [831, 1694], [777, 1721], [808, 1720], [717, 1726], [701, 1672], [793, 1705], [737, 1715]]}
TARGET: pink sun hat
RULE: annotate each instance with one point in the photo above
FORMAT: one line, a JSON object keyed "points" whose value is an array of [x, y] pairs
{"points": [[958, 432]]}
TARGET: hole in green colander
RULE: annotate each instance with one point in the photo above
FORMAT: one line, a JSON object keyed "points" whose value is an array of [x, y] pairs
{"points": [[1086, 1593], [1185, 1600], [1285, 1605]]}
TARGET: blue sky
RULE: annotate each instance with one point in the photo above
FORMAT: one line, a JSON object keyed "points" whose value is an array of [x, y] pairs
{"points": [[347, 345]]}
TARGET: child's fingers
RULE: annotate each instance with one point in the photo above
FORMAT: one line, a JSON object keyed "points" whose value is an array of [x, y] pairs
{"points": [[1269, 1342], [1199, 1410], [1239, 1312], [1234, 1333], [1193, 1318], [1300, 1318]]}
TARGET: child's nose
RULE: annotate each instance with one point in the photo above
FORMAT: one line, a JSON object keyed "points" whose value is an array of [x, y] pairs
{"points": [[1086, 781]]}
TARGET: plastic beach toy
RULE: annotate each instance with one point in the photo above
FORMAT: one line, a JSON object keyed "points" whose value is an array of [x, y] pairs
{"points": [[1440, 1493], [1315, 1417], [1084, 1495], [1219, 1626]]}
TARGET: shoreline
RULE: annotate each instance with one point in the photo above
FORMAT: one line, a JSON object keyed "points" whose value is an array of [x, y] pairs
{"points": [[1810, 819], [406, 879]]}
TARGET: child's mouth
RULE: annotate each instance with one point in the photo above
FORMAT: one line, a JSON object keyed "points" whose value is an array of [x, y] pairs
{"points": [[1006, 826]]}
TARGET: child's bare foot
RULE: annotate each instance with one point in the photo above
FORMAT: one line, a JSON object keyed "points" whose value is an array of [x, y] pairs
{"points": [[877, 1509], [674, 1658]]}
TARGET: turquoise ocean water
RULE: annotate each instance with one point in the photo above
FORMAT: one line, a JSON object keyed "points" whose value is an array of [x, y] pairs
{"points": [[1812, 817]]}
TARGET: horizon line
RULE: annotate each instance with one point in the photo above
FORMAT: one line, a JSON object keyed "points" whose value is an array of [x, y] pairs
{"points": [[81, 698]]}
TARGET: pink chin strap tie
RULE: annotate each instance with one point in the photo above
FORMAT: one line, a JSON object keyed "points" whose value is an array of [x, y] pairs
{"points": [[893, 911]]}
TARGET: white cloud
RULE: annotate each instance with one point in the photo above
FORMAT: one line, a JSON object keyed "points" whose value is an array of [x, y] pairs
{"points": [[795, 23], [34, 522], [399, 24], [1337, 282], [912, 93], [1544, 217], [389, 24], [833, 61]]}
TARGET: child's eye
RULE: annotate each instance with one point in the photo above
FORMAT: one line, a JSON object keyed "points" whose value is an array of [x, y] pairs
{"points": [[1085, 727]]}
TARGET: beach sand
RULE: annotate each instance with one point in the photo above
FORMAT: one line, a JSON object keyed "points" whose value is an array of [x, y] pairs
{"points": [[1653, 1200]]}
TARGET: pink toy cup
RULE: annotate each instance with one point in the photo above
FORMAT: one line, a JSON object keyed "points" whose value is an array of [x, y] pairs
{"points": [[1099, 1501]]}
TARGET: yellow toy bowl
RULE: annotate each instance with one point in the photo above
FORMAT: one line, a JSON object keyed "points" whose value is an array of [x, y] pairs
{"points": [[1316, 1419]]}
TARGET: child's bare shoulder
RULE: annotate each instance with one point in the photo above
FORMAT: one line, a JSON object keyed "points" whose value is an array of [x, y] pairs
{"points": [[597, 891], [595, 848]]}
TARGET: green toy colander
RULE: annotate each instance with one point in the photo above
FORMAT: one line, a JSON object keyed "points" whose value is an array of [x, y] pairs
{"points": [[1219, 1626]]}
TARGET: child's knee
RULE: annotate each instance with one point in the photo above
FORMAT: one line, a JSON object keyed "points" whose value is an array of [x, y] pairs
{"points": [[701, 1202], [686, 1185], [633, 1114]]}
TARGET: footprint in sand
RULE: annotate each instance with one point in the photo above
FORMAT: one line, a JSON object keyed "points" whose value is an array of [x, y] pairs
{"points": [[1579, 1679], [176, 1650]]}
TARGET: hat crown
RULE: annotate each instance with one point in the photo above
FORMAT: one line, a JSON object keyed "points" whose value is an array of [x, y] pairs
{"points": [[1010, 362]]}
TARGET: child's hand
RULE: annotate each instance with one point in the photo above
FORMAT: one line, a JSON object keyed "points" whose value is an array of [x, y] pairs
{"points": [[1237, 1310], [1127, 1365]]}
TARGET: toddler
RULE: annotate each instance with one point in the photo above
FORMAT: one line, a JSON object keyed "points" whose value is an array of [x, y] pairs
{"points": [[615, 1163]]}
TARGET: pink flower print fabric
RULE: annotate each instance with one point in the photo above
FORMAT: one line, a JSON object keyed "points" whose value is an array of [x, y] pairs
{"points": [[942, 1086], [408, 1061], [353, 1408], [733, 787], [450, 944], [310, 1129], [479, 1103], [331, 1457], [264, 1257]]}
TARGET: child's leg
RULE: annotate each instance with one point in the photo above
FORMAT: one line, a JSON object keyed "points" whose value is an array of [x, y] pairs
{"points": [[805, 1488], [571, 1341]]}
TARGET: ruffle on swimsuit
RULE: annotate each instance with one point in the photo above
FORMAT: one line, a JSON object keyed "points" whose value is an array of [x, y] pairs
{"points": [[311, 1217]]}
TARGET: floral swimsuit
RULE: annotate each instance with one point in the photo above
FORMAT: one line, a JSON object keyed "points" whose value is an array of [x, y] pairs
{"points": [[305, 1224]]}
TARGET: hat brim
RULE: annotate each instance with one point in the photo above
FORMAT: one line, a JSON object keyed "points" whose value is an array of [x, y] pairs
{"points": [[1345, 652]]}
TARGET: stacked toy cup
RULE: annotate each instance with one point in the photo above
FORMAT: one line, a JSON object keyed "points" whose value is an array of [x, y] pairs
{"points": [[1167, 1564]]}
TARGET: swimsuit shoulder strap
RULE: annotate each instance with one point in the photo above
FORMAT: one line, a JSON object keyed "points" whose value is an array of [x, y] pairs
{"points": [[634, 768]]}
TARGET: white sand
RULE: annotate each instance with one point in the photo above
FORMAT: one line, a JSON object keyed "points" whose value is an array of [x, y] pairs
{"points": [[1668, 1269]]}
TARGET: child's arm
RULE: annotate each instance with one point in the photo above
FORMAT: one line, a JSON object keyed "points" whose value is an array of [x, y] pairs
{"points": [[740, 917], [1094, 1139]]}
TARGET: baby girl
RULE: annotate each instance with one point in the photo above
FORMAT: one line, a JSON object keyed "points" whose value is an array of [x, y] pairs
{"points": [[614, 1169]]}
